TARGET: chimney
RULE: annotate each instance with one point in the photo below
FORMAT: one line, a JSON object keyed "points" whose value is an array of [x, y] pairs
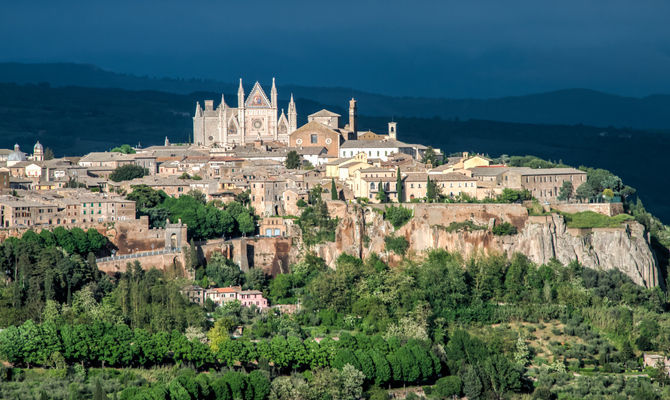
{"points": [[353, 116], [392, 130]]}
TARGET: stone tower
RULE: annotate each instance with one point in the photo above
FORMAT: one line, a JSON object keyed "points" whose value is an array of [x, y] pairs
{"points": [[292, 116], [392, 130], [240, 109], [353, 116]]}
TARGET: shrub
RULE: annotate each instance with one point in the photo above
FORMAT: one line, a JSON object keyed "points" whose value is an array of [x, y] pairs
{"points": [[463, 226], [590, 219], [504, 229], [448, 386], [397, 216], [128, 172], [396, 244]]}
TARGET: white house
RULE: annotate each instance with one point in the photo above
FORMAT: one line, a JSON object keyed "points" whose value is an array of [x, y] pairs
{"points": [[380, 149]]}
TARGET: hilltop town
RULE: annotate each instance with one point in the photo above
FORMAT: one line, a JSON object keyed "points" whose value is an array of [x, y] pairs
{"points": [[343, 229]]}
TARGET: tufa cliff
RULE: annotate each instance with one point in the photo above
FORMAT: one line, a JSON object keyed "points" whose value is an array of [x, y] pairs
{"points": [[362, 230]]}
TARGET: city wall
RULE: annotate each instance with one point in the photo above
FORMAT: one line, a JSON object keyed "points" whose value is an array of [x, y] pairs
{"points": [[609, 209]]}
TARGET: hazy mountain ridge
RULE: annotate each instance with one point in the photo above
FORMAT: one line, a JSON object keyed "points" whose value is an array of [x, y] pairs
{"points": [[570, 106]]}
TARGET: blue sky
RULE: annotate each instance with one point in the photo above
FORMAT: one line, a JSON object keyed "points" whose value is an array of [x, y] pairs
{"points": [[415, 48]]}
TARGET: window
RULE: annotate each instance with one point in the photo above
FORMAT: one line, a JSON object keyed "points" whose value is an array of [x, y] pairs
{"points": [[313, 138]]}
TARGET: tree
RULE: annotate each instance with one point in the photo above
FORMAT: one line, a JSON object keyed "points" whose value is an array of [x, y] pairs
{"points": [[449, 386], [293, 160], [98, 393], [351, 383], [260, 383], [246, 224], [124, 148], [223, 271], [513, 196], [398, 185], [584, 191], [396, 244], [382, 196], [333, 190], [502, 374], [565, 194], [128, 172], [432, 191], [48, 154], [472, 385], [429, 157]]}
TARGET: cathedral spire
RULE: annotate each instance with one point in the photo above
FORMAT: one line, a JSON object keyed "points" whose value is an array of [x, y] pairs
{"points": [[198, 110], [240, 95], [273, 94], [223, 102], [292, 116]]}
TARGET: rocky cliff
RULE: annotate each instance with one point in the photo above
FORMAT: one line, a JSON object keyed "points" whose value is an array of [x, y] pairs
{"points": [[362, 230]]}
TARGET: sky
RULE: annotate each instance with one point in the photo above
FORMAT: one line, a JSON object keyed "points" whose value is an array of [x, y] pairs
{"points": [[454, 49]]}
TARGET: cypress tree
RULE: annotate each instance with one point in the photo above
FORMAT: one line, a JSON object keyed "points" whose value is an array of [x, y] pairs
{"points": [[98, 393], [398, 185], [333, 190]]}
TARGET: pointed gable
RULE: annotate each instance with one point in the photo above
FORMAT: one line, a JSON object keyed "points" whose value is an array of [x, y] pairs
{"points": [[257, 98], [282, 124]]}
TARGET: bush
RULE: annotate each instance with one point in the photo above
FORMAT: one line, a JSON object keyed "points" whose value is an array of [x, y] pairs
{"points": [[504, 229], [397, 216], [513, 196], [448, 386], [396, 244], [128, 172], [463, 226], [590, 219]]}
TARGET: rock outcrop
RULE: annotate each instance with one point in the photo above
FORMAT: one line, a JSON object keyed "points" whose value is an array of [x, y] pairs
{"points": [[362, 230], [625, 249]]}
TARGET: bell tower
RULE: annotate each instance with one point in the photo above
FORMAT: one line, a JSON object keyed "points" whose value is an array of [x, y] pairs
{"points": [[353, 116]]}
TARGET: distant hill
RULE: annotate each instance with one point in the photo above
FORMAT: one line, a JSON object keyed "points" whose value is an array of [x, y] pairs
{"points": [[76, 120], [571, 106]]}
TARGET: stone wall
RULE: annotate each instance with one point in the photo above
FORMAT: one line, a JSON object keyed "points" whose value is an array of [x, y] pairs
{"points": [[609, 209], [160, 261], [272, 255], [135, 236]]}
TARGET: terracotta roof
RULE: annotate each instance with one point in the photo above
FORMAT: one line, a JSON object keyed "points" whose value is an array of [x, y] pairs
{"points": [[324, 113]]}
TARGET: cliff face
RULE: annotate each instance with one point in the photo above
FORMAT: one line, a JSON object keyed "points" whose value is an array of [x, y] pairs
{"points": [[362, 230], [626, 249]]}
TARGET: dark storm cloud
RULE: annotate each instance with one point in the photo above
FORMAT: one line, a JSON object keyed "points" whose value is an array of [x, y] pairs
{"points": [[440, 48]]}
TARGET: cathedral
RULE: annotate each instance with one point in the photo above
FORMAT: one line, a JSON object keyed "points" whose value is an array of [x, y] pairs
{"points": [[255, 118]]}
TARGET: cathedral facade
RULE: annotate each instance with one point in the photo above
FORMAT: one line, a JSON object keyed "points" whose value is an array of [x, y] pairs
{"points": [[255, 118]]}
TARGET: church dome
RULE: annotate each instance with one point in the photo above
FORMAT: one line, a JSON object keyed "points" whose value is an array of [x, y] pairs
{"points": [[17, 154], [38, 147]]}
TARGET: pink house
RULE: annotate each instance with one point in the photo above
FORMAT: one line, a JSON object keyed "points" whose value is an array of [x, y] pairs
{"points": [[252, 297], [247, 297]]}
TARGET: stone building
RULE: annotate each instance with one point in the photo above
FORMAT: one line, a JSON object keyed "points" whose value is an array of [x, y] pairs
{"points": [[315, 134], [267, 195], [16, 212], [255, 118], [450, 184], [543, 183], [4, 178]]}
